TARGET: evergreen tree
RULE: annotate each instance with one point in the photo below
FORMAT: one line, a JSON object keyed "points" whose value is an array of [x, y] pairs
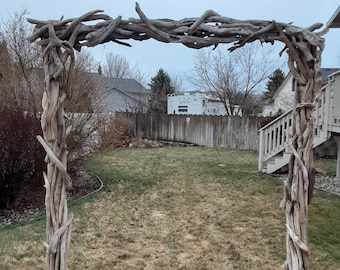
{"points": [[274, 82], [160, 87]]}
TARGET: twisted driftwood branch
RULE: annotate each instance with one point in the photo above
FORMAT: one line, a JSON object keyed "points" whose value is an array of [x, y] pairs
{"points": [[52, 157], [210, 29], [57, 54], [303, 45]]}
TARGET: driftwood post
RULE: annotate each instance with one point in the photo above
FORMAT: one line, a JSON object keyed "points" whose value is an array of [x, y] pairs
{"points": [[56, 54], [303, 45], [304, 62]]}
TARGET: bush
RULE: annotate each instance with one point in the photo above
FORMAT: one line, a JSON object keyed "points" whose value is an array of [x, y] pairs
{"points": [[84, 137], [118, 133], [22, 156]]}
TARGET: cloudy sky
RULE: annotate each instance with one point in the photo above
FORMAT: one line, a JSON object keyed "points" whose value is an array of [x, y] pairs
{"points": [[176, 59]]}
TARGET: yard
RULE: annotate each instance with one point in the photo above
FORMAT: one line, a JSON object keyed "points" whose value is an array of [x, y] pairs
{"points": [[180, 208]]}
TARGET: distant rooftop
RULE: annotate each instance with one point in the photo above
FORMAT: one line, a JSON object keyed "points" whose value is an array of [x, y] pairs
{"points": [[122, 84], [325, 72], [334, 21]]}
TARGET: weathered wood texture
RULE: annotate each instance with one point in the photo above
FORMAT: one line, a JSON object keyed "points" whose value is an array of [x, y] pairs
{"points": [[56, 55], [214, 131], [303, 45]]}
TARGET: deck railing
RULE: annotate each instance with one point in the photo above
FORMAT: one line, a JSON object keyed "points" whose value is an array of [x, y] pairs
{"points": [[274, 137]]}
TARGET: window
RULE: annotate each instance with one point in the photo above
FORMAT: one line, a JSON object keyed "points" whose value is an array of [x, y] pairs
{"points": [[182, 108]]}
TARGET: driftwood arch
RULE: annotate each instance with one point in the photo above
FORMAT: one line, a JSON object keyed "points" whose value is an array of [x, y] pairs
{"points": [[59, 38]]}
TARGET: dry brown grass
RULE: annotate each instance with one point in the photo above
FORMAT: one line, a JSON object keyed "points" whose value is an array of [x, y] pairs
{"points": [[172, 208]]}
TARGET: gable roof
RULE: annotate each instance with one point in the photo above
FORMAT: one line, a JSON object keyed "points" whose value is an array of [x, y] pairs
{"points": [[120, 94], [121, 84], [334, 21], [325, 72], [124, 85]]}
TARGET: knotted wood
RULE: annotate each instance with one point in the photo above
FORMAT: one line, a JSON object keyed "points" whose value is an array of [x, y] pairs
{"points": [[303, 45]]}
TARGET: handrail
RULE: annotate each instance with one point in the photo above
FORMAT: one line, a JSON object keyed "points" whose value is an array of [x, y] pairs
{"points": [[276, 119], [274, 137]]}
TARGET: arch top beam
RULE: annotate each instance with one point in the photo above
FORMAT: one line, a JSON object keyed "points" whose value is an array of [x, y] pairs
{"points": [[210, 29]]}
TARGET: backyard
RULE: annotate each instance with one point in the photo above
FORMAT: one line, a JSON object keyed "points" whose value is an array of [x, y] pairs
{"points": [[179, 208]]}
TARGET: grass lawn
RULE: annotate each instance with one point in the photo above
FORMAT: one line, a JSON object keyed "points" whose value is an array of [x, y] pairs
{"points": [[180, 208]]}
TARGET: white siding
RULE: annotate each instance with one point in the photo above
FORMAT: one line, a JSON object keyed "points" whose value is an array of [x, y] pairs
{"points": [[185, 104], [214, 107], [283, 99], [194, 104]]}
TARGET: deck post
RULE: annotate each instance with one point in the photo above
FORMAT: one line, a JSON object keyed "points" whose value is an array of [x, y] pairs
{"points": [[261, 152], [337, 139]]}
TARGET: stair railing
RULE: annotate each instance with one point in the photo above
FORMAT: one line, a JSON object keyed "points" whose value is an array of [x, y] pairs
{"points": [[274, 137]]}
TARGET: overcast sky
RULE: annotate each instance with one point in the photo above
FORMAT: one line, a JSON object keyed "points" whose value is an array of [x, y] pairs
{"points": [[176, 59]]}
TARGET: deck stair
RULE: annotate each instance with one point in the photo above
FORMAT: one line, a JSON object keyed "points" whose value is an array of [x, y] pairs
{"points": [[274, 150]]}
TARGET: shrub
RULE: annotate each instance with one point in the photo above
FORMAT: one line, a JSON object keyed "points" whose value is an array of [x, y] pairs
{"points": [[81, 140], [117, 133], [22, 157]]}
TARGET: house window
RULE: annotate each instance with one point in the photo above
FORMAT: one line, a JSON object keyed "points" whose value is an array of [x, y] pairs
{"points": [[182, 108]]}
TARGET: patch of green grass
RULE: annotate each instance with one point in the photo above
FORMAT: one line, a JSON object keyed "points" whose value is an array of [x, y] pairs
{"points": [[123, 168], [324, 224], [21, 244], [238, 169], [328, 165]]}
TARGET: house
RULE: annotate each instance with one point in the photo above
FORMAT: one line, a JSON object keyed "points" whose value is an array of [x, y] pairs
{"points": [[283, 99], [196, 103], [334, 21], [121, 95]]}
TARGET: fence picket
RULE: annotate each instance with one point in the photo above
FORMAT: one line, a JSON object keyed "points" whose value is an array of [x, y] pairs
{"points": [[214, 131]]}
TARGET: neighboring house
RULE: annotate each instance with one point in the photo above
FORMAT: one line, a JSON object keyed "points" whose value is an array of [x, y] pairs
{"points": [[283, 99], [196, 103], [122, 95]]}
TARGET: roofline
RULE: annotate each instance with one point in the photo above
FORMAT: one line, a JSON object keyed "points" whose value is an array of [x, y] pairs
{"points": [[124, 93], [330, 23], [288, 76]]}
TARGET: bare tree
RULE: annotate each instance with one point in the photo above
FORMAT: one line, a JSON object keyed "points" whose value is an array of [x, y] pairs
{"points": [[141, 75], [83, 107], [116, 66], [22, 82], [21, 61], [233, 78], [176, 83], [7, 95]]}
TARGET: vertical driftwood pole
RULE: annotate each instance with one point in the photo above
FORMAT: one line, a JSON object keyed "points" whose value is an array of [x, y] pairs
{"points": [[304, 63], [56, 54]]}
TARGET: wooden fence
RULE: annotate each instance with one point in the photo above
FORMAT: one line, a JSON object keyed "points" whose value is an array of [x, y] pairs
{"points": [[216, 131]]}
